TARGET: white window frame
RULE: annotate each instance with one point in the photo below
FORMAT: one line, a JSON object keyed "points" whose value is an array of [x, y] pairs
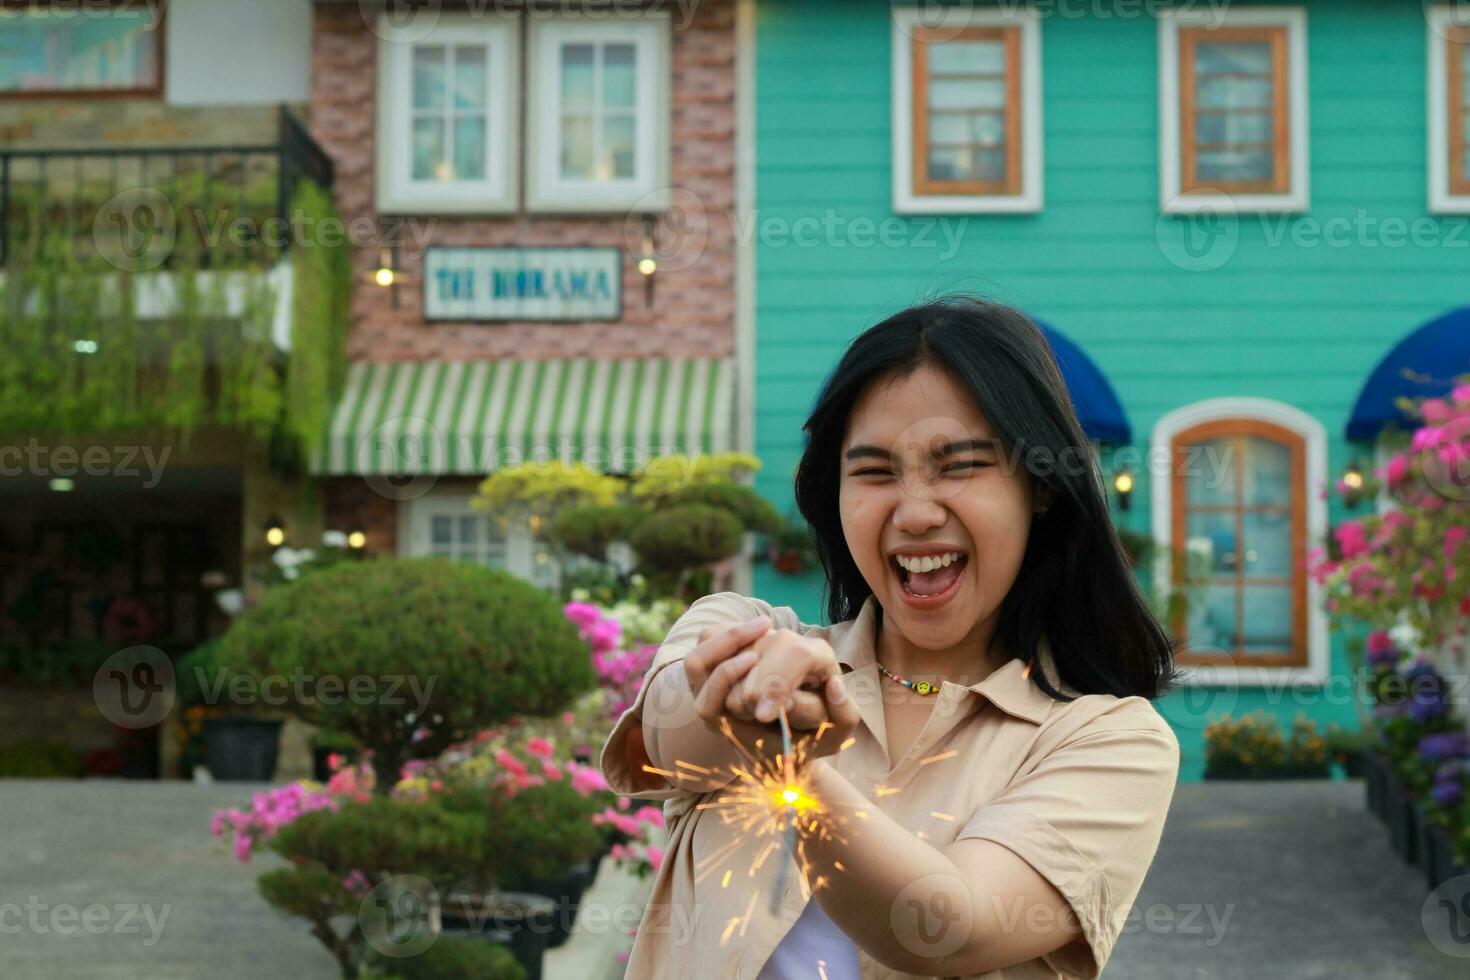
{"points": [[1442, 200], [397, 191], [1171, 199], [1314, 435], [648, 190], [905, 201], [415, 523]]}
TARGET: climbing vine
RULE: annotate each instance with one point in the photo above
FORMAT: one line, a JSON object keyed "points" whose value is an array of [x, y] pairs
{"points": [[79, 358]]}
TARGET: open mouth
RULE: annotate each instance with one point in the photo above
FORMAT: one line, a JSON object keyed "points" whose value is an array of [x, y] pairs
{"points": [[932, 583]]}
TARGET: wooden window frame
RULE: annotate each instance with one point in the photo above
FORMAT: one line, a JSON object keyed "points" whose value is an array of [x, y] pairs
{"points": [[912, 191], [1448, 173], [160, 54], [1179, 34], [1241, 429], [923, 184], [1277, 37]]}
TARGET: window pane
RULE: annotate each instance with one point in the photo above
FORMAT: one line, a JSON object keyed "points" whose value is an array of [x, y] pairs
{"points": [[619, 80], [966, 93], [1211, 542], [1227, 165], [576, 76], [966, 163], [1233, 93], [1267, 471], [1207, 470], [469, 148], [1233, 127], [1212, 618], [469, 530], [428, 78], [1267, 619], [441, 530], [1252, 57], [986, 128], [576, 146], [469, 77], [428, 150], [967, 56], [618, 143], [1267, 544], [43, 50]]}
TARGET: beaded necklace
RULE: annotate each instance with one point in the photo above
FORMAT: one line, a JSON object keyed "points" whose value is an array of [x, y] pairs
{"points": [[918, 687]]}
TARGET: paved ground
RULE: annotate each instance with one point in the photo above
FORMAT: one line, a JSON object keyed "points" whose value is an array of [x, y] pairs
{"points": [[1254, 881]]}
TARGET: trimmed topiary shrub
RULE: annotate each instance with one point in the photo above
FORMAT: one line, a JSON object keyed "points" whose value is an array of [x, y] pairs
{"points": [[686, 536], [409, 655], [589, 530], [753, 510], [454, 958]]}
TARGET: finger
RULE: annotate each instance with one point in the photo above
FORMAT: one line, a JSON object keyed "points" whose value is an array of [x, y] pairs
{"points": [[841, 710], [711, 697], [719, 646], [782, 674], [808, 711]]}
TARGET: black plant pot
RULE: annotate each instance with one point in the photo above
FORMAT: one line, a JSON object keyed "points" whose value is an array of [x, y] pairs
{"points": [[1375, 783], [566, 892], [1401, 827], [243, 748], [519, 921], [1443, 850]]}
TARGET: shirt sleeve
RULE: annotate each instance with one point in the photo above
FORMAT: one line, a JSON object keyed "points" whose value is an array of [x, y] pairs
{"points": [[1088, 816], [624, 754]]}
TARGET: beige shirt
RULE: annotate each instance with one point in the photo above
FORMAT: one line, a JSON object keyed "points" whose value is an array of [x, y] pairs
{"points": [[1079, 790]]}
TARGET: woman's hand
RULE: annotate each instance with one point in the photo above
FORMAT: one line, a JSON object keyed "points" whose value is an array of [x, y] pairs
{"points": [[723, 657], [791, 669]]}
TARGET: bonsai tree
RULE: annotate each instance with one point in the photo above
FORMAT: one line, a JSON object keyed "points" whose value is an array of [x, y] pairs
{"points": [[409, 656]]}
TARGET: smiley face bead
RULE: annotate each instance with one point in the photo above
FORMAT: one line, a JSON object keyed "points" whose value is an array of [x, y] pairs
{"points": [[923, 687]]}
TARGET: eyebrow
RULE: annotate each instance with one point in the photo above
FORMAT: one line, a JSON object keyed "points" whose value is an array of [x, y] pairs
{"points": [[948, 449]]}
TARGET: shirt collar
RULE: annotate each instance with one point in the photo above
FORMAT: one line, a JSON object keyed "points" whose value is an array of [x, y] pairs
{"points": [[1008, 687]]}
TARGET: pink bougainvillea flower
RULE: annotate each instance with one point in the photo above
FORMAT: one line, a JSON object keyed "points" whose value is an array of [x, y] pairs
{"points": [[539, 746]]}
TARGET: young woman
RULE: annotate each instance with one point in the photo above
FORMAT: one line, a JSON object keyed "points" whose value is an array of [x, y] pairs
{"points": [[991, 777]]}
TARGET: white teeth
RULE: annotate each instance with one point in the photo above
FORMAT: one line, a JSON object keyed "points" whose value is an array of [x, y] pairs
{"points": [[929, 562]]}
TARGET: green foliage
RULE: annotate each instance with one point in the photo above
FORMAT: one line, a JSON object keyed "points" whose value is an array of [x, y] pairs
{"points": [[665, 476], [685, 536], [1253, 747], [538, 832], [454, 958], [35, 759], [545, 489], [444, 648], [590, 528], [198, 367], [66, 665], [753, 510]]}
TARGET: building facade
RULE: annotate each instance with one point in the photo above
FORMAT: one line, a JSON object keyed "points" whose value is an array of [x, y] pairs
{"points": [[1231, 215]]}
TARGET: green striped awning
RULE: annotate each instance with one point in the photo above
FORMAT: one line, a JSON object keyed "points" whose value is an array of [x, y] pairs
{"points": [[470, 417]]}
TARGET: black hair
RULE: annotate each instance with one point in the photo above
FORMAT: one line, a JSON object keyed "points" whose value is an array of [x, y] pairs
{"points": [[1074, 586]]}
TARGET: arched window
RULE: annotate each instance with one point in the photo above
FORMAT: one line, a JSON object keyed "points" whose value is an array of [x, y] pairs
{"points": [[1238, 509]]}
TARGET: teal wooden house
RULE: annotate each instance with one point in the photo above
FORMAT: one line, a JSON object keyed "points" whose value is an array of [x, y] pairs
{"points": [[1243, 226]]}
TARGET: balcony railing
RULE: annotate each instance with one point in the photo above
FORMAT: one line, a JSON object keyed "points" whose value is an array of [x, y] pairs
{"points": [[157, 207]]}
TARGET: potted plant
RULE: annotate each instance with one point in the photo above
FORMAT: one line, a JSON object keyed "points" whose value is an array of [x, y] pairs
{"points": [[791, 549], [241, 740]]}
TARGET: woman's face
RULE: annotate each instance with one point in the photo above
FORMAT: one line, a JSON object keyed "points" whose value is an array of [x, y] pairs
{"points": [[923, 475]]}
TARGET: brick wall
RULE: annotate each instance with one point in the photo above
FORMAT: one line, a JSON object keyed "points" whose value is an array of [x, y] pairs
{"points": [[694, 307], [351, 504]]}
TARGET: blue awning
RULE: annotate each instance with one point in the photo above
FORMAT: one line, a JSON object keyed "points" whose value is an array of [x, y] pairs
{"points": [[1097, 405], [1422, 365]]}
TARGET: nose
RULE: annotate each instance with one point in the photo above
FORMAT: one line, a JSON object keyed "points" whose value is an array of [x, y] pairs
{"points": [[917, 512]]}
